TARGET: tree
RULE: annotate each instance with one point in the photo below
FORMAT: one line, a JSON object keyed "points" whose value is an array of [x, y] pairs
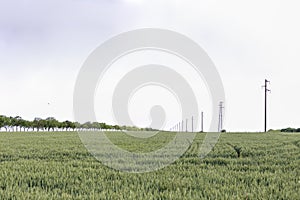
{"points": [[51, 123], [38, 123], [16, 122], [28, 125], [96, 125], [3, 122], [68, 125], [116, 127], [71, 125], [86, 125], [23, 124], [77, 125], [104, 126]]}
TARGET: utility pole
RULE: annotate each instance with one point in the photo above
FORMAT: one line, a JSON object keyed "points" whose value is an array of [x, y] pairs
{"points": [[202, 121], [266, 94], [182, 125], [220, 126], [192, 124], [186, 125]]}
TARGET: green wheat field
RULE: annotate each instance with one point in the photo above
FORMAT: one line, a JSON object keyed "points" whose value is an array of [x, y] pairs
{"points": [[56, 165]]}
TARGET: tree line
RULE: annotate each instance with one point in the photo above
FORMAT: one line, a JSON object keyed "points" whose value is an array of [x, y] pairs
{"points": [[14, 124]]}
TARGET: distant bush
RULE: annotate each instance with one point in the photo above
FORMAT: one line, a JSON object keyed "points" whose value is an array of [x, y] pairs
{"points": [[223, 131], [290, 130]]}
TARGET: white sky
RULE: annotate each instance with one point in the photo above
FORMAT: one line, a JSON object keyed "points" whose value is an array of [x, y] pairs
{"points": [[44, 43]]}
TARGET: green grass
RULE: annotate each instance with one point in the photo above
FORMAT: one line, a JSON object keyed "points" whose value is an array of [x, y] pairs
{"points": [[57, 166]]}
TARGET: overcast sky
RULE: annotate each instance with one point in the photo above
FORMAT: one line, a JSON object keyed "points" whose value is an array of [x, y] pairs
{"points": [[43, 45]]}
